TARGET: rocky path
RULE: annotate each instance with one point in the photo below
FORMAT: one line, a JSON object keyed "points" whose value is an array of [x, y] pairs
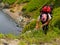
{"points": [[9, 42], [16, 42]]}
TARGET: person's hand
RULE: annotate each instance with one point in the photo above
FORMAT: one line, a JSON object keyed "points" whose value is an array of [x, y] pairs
{"points": [[37, 27]]}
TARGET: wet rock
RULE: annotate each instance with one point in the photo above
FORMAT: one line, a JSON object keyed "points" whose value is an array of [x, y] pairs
{"points": [[48, 44], [17, 25], [3, 42], [9, 42]]}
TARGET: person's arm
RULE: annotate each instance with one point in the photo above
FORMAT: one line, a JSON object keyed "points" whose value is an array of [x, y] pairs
{"points": [[37, 23], [46, 23]]}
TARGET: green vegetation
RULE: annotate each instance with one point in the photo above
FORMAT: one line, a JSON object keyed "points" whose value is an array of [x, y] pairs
{"points": [[36, 37], [33, 7], [9, 1], [31, 36], [17, 1], [1, 35], [8, 36], [22, 1]]}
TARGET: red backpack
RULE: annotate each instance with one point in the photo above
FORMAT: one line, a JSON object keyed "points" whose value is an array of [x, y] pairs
{"points": [[46, 9]]}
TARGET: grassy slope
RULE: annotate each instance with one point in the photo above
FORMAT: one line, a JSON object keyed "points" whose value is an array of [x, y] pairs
{"points": [[32, 36]]}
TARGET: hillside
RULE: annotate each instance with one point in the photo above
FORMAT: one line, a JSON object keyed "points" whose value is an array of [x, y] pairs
{"points": [[29, 36]]}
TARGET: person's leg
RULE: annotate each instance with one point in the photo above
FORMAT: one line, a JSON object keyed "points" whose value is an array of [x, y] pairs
{"points": [[45, 29]]}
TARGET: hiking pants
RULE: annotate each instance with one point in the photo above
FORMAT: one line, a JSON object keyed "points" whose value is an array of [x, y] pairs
{"points": [[45, 29]]}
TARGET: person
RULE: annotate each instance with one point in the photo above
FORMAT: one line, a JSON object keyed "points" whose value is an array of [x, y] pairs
{"points": [[45, 17]]}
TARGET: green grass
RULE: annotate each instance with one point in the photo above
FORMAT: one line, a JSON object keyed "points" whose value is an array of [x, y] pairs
{"points": [[36, 37], [9, 1], [8, 36], [30, 26], [1, 35], [13, 1], [11, 36], [22, 1], [33, 5]]}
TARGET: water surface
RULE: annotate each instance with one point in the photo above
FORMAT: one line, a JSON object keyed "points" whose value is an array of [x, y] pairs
{"points": [[7, 25]]}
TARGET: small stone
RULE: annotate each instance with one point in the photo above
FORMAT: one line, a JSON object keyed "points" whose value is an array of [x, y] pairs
{"points": [[5, 43], [48, 44]]}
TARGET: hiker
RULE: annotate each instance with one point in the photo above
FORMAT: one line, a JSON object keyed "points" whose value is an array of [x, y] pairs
{"points": [[45, 17]]}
